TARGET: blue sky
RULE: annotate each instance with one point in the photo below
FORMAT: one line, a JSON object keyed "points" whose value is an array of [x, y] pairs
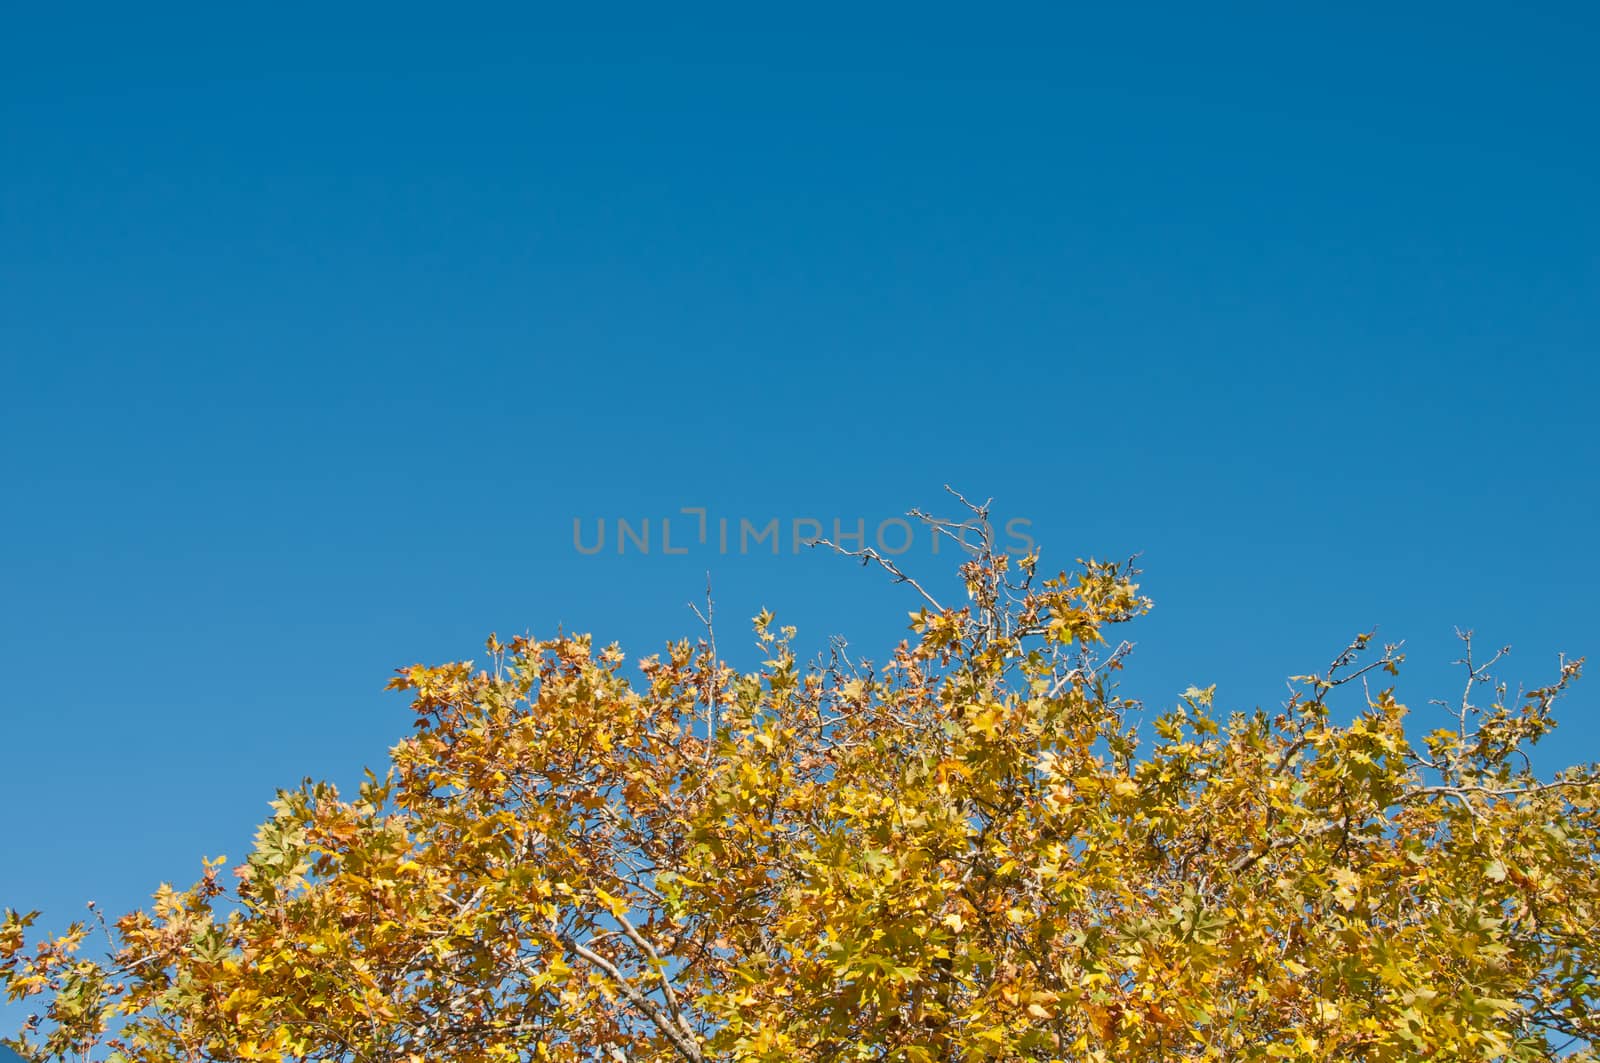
{"points": [[318, 330]]}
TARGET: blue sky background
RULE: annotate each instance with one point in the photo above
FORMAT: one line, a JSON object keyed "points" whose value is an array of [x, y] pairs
{"points": [[318, 329]]}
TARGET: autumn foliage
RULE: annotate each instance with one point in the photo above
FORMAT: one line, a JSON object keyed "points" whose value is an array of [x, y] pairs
{"points": [[966, 851]]}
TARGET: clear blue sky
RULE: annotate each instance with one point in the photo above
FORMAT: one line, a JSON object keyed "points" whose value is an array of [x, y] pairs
{"points": [[319, 328]]}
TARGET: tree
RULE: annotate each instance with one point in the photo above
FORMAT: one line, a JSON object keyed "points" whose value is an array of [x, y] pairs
{"points": [[968, 852]]}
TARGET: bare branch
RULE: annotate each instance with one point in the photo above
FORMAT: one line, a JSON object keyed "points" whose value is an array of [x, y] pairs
{"points": [[867, 555], [687, 1046]]}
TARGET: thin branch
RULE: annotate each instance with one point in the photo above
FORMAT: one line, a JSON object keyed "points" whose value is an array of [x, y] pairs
{"points": [[711, 683], [867, 555], [686, 1046]]}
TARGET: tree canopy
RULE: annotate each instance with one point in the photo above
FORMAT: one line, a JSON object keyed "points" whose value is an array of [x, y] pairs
{"points": [[969, 850]]}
